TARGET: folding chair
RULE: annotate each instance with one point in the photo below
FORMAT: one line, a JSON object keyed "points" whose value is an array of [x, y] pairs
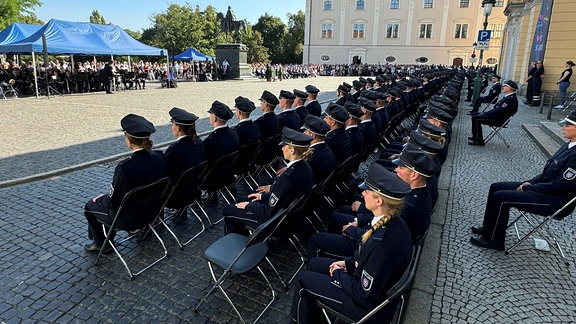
{"points": [[238, 254], [266, 156], [495, 130], [398, 291], [7, 88], [564, 211], [488, 104], [215, 184], [184, 195], [570, 102], [245, 163], [138, 210]]}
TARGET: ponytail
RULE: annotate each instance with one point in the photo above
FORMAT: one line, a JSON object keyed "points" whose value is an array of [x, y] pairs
{"points": [[394, 207]]}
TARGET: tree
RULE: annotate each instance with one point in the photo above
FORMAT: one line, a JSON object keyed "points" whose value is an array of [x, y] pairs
{"points": [[257, 53], [136, 35], [97, 18], [273, 31], [294, 39], [31, 19], [15, 10]]}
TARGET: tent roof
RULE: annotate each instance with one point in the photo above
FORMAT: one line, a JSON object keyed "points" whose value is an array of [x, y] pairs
{"points": [[16, 32], [193, 54], [64, 37]]}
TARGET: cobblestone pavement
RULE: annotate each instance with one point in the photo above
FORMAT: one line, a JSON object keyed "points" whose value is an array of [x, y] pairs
{"points": [[47, 277]]}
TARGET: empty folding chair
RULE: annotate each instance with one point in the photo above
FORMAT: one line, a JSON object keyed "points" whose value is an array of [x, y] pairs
{"points": [[267, 155], [138, 210], [245, 163], [184, 195], [215, 183], [537, 226]]}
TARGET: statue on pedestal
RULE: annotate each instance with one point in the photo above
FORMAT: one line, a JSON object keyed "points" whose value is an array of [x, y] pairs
{"points": [[230, 25]]}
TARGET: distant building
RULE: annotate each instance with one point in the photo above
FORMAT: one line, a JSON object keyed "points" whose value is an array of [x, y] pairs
{"points": [[399, 31]]}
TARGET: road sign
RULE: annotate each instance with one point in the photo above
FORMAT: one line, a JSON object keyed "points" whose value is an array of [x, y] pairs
{"points": [[483, 45], [484, 35]]}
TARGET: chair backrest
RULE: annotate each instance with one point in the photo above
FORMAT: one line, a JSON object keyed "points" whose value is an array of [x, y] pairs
{"points": [[268, 150], [246, 157], [565, 210], [221, 165], [186, 190], [140, 206]]}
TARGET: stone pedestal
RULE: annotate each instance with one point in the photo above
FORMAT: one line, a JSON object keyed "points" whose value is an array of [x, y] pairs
{"points": [[237, 57]]}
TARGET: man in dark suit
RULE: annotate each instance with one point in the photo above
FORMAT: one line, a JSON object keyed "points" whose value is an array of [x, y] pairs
{"points": [[288, 117], [503, 109], [337, 138], [352, 129], [313, 105], [491, 96], [322, 160], [248, 131], [543, 195], [268, 123], [298, 105]]}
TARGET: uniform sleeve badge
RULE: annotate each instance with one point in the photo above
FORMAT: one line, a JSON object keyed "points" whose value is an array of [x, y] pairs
{"points": [[367, 280], [569, 174], [273, 200], [504, 105]]}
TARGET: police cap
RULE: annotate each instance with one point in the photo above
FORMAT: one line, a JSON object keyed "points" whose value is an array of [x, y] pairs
{"points": [[312, 89], [367, 104], [221, 110], [244, 104], [343, 88], [427, 128], [385, 183], [570, 119], [315, 125], [300, 94], [358, 84], [424, 143], [416, 160], [439, 114], [353, 109], [269, 98], [137, 126], [511, 84], [295, 138], [182, 117], [337, 112], [286, 95]]}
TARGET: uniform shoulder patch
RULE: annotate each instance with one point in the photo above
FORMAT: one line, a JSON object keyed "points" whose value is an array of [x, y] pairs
{"points": [[569, 174], [504, 105], [367, 280], [273, 200]]}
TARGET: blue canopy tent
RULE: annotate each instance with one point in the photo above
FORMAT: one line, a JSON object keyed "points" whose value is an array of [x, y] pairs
{"points": [[193, 54], [65, 37], [16, 32]]}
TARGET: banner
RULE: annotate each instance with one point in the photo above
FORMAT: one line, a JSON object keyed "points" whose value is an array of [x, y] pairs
{"points": [[541, 32]]}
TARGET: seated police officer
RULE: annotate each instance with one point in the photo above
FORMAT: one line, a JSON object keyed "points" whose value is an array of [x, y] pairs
{"points": [[288, 117], [492, 94], [268, 123], [188, 150], [313, 107], [298, 105], [356, 137], [322, 160], [337, 138], [366, 125], [357, 284], [143, 167], [542, 195], [295, 181], [503, 109], [248, 131]]}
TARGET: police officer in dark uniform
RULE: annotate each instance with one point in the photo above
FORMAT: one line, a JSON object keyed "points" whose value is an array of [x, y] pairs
{"points": [[288, 117], [492, 94], [356, 137], [222, 141], [503, 109], [322, 160], [440, 118], [359, 283], [188, 151], [143, 167], [296, 180], [337, 138], [530, 82], [313, 107], [366, 125], [542, 195], [248, 131], [268, 123], [299, 107], [357, 86], [342, 92], [537, 83]]}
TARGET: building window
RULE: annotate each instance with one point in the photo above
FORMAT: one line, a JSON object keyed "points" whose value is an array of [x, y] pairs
{"points": [[360, 5], [461, 31], [394, 4], [392, 30], [390, 59], [499, 3], [491, 60], [325, 58], [422, 59], [358, 31], [326, 30], [425, 31], [428, 3], [327, 5], [497, 30], [464, 3]]}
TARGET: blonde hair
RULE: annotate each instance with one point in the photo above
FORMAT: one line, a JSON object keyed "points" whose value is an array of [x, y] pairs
{"points": [[393, 206], [304, 152]]}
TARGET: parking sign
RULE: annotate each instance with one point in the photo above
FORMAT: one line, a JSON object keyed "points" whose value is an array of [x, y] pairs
{"points": [[484, 35]]}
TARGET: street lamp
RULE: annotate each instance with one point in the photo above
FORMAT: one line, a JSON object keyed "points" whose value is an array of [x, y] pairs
{"points": [[488, 5], [473, 59]]}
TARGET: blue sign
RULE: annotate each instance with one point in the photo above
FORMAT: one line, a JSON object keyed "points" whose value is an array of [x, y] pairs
{"points": [[484, 35]]}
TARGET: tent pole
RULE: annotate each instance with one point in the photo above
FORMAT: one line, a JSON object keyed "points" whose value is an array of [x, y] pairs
{"points": [[35, 74], [129, 64], [72, 62]]}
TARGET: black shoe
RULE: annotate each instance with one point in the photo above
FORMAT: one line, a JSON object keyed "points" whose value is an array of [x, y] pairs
{"points": [[95, 248], [476, 143], [472, 113], [528, 103], [478, 230], [484, 243]]}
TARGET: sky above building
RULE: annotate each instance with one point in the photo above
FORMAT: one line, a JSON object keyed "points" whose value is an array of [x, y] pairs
{"points": [[135, 15]]}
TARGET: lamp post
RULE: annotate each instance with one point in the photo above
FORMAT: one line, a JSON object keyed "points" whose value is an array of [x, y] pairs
{"points": [[488, 5], [473, 57]]}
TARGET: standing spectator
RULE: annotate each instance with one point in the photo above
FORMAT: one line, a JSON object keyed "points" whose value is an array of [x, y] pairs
{"points": [[530, 83], [537, 83], [564, 83]]}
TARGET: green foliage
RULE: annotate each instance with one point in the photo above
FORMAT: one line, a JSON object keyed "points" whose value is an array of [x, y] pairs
{"points": [[273, 31], [136, 35], [294, 39], [257, 53], [31, 19], [15, 11], [97, 18]]}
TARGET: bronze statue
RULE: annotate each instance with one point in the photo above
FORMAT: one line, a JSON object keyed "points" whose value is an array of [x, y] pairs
{"points": [[230, 25]]}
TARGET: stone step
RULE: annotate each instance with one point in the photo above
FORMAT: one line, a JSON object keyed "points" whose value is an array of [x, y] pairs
{"points": [[554, 131], [542, 139]]}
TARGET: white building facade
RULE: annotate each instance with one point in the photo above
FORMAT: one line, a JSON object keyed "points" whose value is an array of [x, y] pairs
{"points": [[399, 31]]}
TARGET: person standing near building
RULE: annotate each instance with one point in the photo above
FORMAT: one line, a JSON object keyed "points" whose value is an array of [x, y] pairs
{"points": [[564, 83], [530, 83], [537, 83]]}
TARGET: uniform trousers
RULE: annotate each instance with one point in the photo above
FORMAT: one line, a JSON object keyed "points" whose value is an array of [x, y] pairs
{"points": [[96, 213], [317, 284], [477, 122], [503, 196], [479, 101], [237, 220]]}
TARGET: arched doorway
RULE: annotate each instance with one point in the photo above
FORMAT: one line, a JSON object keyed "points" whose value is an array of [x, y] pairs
{"points": [[457, 61]]}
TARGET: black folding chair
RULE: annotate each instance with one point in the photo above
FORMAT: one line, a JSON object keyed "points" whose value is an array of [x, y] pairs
{"points": [[488, 104], [537, 225], [138, 210], [238, 254], [214, 183], [247, 155], [7, 89], [266, 156], [397, 291], [495, 130], [184, 195]]}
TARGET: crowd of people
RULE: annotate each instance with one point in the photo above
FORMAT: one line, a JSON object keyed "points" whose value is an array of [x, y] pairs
{"points": [[372, 230]]}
